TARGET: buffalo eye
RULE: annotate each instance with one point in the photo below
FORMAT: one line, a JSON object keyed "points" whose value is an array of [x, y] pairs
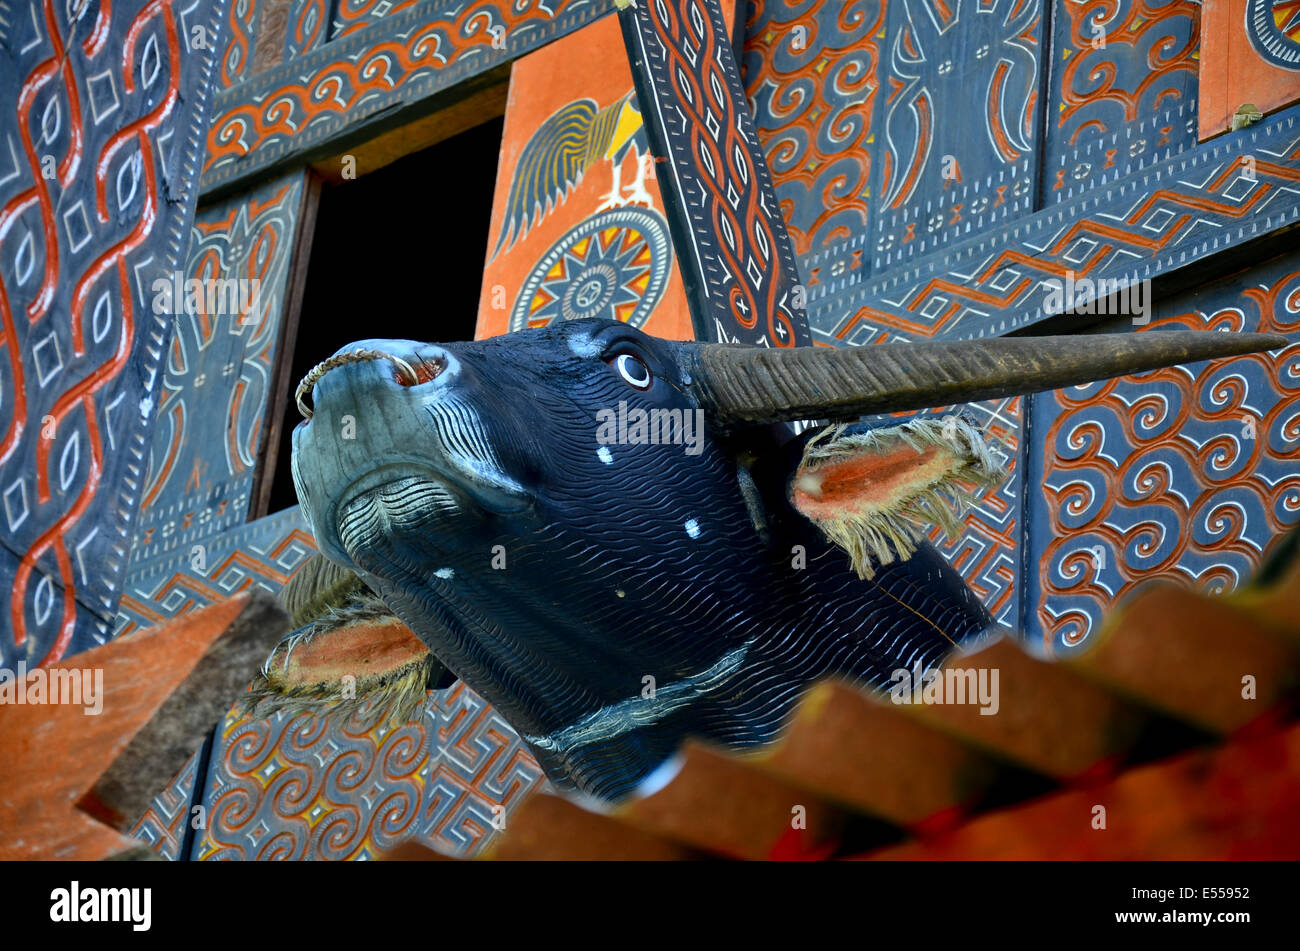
{"points": [[633, 371]]}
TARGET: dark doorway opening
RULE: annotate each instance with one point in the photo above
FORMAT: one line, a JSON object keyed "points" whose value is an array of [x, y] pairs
{"points": [[397, 253]]}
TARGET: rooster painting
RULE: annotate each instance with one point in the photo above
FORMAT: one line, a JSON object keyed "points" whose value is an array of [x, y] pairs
{"points": [[569, 142]]}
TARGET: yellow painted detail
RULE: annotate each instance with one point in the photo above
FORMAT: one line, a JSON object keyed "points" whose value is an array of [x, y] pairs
{"points": [[629, 121]]}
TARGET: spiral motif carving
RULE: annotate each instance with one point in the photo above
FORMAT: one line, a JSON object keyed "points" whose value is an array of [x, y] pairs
{"points": [[1187, 472], [306, 787]]}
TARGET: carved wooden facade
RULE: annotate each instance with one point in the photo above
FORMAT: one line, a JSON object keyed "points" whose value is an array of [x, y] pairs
{"points": [[825, 173]]}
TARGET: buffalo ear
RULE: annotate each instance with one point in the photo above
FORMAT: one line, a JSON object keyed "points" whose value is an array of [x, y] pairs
{"points": [[349, 653], [876, 492]]}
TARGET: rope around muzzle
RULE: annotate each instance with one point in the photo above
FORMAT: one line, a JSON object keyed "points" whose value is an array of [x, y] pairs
{"points": [[342, 359]]}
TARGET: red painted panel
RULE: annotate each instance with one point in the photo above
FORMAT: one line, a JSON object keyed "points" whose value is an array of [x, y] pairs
{"points": [[1250, 53]]}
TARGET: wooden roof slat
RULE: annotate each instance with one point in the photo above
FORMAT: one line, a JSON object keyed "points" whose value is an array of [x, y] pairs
{"points": [[163, 689], [721, 804], [859, 750], [413, 851], [549, 827], [1188, 655], [1048, 719], [1236, 801]]}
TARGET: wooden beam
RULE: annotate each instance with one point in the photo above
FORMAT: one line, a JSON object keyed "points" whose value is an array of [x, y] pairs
{"points": [[483, 105], [1235, 802], [281, 383], [75, 779], [274, 121], [735, 255], [1165, 223]]}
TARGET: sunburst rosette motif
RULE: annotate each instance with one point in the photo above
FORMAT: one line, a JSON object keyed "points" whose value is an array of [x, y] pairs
{"points": [[613, 265]]}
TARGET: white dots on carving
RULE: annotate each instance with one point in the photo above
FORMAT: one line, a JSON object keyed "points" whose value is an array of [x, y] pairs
{"points": [[446, 574], [605, 456], [692, 528]]}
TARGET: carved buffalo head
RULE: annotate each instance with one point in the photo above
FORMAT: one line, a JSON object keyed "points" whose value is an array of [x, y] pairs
{"points": [[604, 534]]}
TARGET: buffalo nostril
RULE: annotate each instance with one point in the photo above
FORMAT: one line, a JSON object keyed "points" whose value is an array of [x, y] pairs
{"points": [[406, 374], [426, 369]]}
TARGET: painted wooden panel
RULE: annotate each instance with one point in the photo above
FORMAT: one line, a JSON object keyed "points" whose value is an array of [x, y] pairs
{"points": [[352, 15], [988, 553], [308, 27], [308, 788], [450, 779], [1123, 90], [1157, 222], [737, 263], [1184, 474], [285, 29], [163, 825], [812, 73], [261, 554], [956, 123], [236, 43], [574, 237], [1251, 56], [103, 110], [356, 81], [212, 408]]}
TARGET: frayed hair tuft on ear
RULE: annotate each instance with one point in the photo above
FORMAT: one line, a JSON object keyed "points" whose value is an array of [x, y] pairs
{"points": [[875, 493]]}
